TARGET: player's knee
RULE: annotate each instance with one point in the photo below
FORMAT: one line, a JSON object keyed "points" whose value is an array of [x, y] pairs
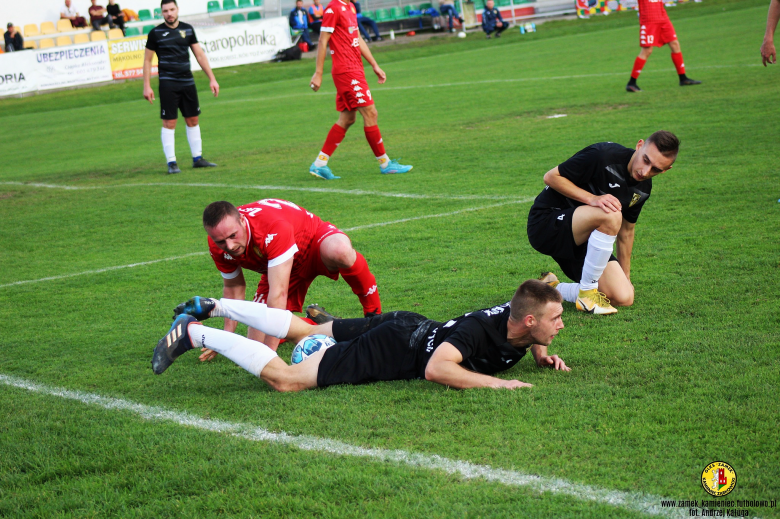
{"points": [[623, 298], [610, 223], [343, 255]]}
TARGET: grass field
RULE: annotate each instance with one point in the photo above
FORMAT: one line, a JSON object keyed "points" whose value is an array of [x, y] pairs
{"points": [[687, 376]]}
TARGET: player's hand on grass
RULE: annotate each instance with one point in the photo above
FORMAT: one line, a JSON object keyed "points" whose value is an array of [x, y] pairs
{"points": [[316, 81], [380, 74], [207, 355], [149, 94], [512, 384], [768, 53], [214, 87], [554, 362], [608, 203]]}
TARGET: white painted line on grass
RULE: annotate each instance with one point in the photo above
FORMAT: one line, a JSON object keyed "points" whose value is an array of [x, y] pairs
{"points": [[634, 501], [98, 271], [349, 229], [269, 188]]}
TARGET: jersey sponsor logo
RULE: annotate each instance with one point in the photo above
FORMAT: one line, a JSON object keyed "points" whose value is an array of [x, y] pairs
{"points": [[329, 11], [269, 239], [361, 101], [561, 217], [613, 186], [357, 88], [228, 257], [358, 95], [354, 82], [634, 199], [166, 33]]}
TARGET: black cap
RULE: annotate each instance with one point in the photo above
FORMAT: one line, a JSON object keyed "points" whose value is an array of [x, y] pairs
{"points": [[10, 25]]}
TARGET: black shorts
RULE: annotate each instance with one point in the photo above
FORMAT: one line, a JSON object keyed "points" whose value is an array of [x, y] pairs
{"points": [[381, 347], [549, 231], [175, 97]]}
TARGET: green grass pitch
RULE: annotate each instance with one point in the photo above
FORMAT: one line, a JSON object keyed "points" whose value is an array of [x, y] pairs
{"points": [[685, 377]]}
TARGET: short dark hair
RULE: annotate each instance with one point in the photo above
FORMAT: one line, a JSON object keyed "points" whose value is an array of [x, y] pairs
{"points": [[531, 298], [168, 2], [218, 211], [666, 142]]}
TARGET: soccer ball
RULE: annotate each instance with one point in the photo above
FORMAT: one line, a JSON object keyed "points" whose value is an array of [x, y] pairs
{"points": [[310, 345], [461, 34]]}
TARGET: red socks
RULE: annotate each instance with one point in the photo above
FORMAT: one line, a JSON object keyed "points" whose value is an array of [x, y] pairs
{"points": [[334, 138], [678, 63], [639, 64], [363, 283], [374, 139]]}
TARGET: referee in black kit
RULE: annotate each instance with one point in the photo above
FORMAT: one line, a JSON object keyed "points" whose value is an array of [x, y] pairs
{"points": [[172, 41]]}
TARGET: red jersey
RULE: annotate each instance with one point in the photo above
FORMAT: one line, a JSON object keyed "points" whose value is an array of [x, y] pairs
{"points": [[341, 21], [278, 230], [652, 11]]}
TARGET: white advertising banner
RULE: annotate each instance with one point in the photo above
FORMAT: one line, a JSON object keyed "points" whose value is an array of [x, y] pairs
{"points": [[60, 67], [242, 43], [17, 73]]}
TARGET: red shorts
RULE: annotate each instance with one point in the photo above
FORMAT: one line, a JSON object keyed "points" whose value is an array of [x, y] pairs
{"points": [[351, 91], [302, 273], [656, 34]]}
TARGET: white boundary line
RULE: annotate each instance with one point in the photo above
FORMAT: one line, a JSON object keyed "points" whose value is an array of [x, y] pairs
{"points": [[349, 229], [637, 502], [268, 188]]}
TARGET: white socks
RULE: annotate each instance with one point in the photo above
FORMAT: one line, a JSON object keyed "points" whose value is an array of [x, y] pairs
{"points": [[383, 160], [196, 144], [169, 144], [596, 259], [569, 291], [251, 355], [270, 321], [321, 160]]}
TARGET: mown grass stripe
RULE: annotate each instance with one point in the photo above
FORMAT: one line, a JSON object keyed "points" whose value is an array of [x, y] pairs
{"points": [[635, 501]]}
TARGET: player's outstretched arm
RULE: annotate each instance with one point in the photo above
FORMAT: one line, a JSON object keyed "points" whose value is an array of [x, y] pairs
{"points": [[203, 61], [322, 49], [366, 53], [768, 52], [547, 361], [148, 92], [444, 368]]}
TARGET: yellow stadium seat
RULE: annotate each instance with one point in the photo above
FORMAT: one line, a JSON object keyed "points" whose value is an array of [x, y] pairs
{"points": [[81, 38], [64, 25], [31, 30], [64, 41], [97, 36], [31, 44], [115, 34], [48, 42], [48, 28]]}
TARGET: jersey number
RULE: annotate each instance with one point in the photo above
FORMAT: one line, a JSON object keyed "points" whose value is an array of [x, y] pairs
{"points": [[356, 42], [650, 38]]}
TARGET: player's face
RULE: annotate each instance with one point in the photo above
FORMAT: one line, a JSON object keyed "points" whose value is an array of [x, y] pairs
{"points": [[548, 324], [171, 13], [648, 162], [229, 235]]}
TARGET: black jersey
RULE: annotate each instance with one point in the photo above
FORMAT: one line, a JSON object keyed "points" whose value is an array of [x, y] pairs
{"points": [[173, 51], [479, 336], [600, 169]]}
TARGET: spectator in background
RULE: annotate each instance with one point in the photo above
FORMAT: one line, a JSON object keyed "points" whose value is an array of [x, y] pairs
{"points": [[70, 13], [13, 40], [447, 8], [99, 16], [315, 16], [299, 21], [363, 21], [491, 20], [116, 14]]}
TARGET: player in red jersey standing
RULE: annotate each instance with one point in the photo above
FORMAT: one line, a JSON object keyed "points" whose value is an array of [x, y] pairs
{"points": [[656, 30], [290, 247], [340, 32]]}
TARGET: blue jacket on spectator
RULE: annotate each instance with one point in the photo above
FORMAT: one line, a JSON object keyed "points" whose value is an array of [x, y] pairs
{"points": [[299, 19], [489, 18]]}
